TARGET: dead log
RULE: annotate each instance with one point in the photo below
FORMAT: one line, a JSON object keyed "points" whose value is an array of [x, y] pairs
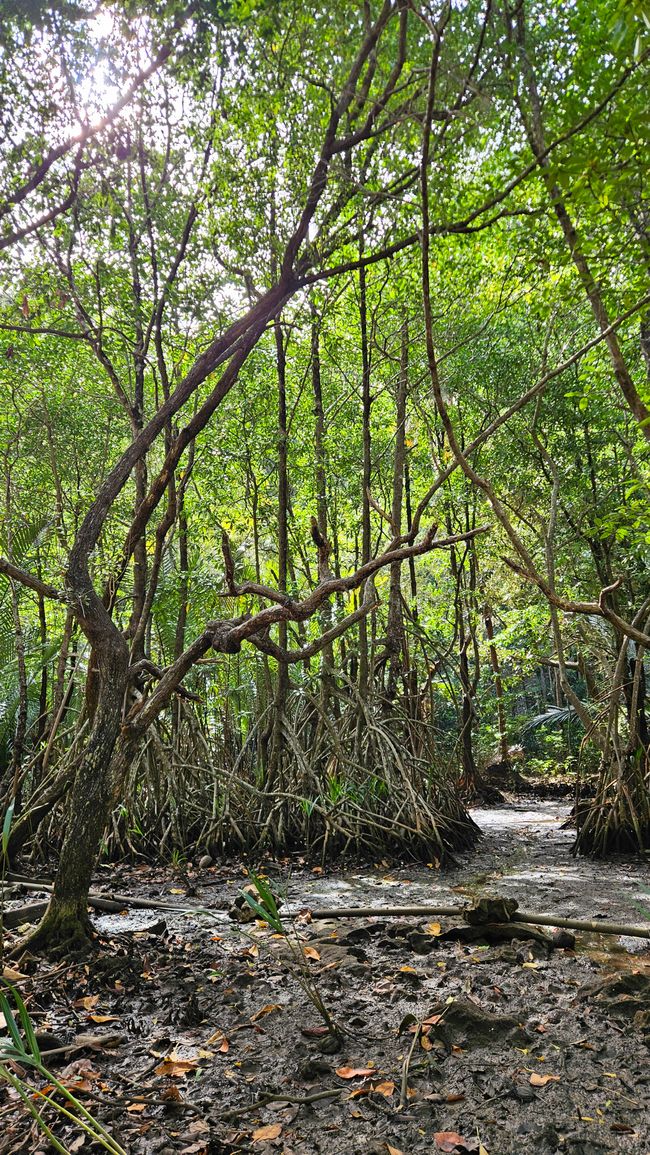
{"points": [[594, 926]]}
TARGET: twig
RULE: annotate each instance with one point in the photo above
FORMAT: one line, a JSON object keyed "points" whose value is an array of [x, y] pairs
{"points": [[226, 1116], [403, 1095]]}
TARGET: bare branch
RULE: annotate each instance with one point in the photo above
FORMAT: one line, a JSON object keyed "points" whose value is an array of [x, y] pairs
{"points": [[14, 573]]}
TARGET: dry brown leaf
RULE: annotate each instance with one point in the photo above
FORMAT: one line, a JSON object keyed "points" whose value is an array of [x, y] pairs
{"points": [[271, 1131], [104, 1018], [386, 1089], [311, 952], [433, 928], [136, 1108], [176, 1068], [267, 1010], [448, 1140], [454, 1098], [541, 1080], [87, 1003], [426, 1043], [219, 1037], [393, 1150], [355, 1072], [12, 976]]}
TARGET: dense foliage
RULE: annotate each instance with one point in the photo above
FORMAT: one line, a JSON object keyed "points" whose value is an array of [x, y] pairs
{"points": [[282, 287]]}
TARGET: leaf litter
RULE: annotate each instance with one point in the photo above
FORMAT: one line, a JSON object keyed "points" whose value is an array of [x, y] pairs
{"points": [[203, 1045]]}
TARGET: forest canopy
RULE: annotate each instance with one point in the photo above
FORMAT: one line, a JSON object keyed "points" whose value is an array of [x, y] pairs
{"points": [[325, 366]]}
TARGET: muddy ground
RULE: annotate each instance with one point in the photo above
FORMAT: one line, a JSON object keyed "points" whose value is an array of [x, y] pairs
{"points": [[528, 1048]]}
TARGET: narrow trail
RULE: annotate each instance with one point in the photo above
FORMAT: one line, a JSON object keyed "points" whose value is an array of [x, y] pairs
{"points": [[524, 854]]}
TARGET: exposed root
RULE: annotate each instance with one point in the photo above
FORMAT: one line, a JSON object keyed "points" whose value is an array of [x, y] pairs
{"points": [[346, 777], [60, 935], [617, 819]]}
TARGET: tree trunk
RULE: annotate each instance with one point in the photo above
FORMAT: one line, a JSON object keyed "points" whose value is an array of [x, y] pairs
{"points": [[395, 627], [66, 924], [498, 684]]}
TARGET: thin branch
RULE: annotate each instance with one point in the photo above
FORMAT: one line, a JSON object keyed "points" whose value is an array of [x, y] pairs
{"points": [[14, 573]]}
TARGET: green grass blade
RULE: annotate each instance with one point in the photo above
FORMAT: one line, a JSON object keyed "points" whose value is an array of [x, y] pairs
{"points": [[11, 1023], [6, 826]]}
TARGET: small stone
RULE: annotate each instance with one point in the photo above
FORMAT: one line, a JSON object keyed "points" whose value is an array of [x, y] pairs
{"points": [[206, 861], [329, 1044], [563, 940]]}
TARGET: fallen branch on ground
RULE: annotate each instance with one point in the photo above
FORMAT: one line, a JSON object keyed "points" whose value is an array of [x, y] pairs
{"points": [[595, 926]]}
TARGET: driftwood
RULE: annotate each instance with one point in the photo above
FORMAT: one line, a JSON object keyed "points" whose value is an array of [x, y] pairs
{"points": [[108, 903], [595, 926]]}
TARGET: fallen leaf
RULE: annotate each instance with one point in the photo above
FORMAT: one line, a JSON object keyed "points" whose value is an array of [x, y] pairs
{"points": [[271, 1131], [87, 1003], [448, 1140], [171, 1094], [433, 928], [136, 1108], [355, 1072], [176, 1068], [541, 1080], [104, 1018], [531, 966], [454, 1098], [385, 1089], [623, 1128], [267, 1010], [221, 1039], [311, 952], [393, 1150]]}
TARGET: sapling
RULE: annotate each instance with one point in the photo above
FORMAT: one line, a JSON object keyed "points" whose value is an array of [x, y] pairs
{"points": [[266, 908]]}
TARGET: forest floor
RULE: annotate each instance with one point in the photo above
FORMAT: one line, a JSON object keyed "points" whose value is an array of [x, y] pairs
{"points": [[529, 1048]]}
